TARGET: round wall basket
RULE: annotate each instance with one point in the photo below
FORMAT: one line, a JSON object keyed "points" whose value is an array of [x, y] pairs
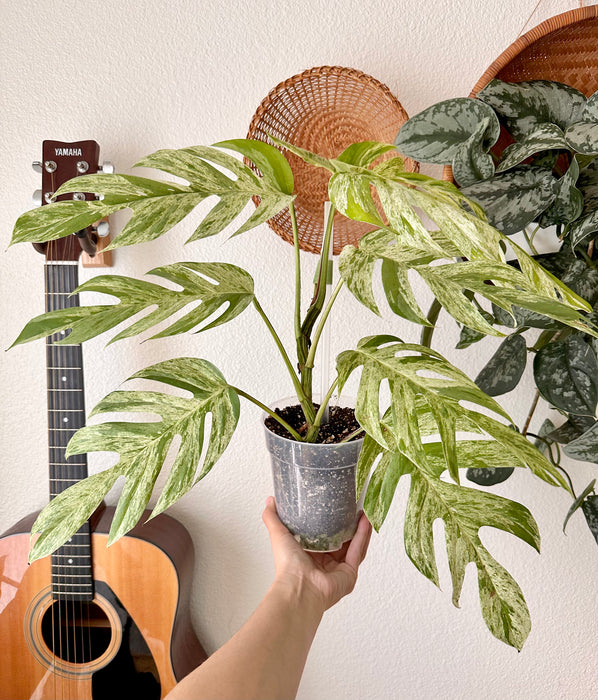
{"points": [[324, 110], [563, 48]]}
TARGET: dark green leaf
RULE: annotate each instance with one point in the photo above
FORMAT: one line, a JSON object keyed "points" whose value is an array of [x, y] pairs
{"points": [[526, 105], [568, 203], [578, 502], [490, 476], [566, 374], [543, 137], [505, 368], [514, 199], [590, 510], [583, 138], [472, 162], [585, 447], [583, 280], [468, 336], [436, 134]]}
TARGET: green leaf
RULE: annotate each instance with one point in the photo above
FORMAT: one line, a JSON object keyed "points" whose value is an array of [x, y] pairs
{"points": [[526, 105], [472, 162], [583, 138], [543, 137], [437, 134], [583, 280], [364, 153], [578, 502], [505, 368], [566, 374], [273, 166], [514, 199], [464, 511], [490, 476], [212, 284], [143, 447]]}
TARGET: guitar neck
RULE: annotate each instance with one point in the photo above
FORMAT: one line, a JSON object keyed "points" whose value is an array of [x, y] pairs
{"points": [[71, 564]]}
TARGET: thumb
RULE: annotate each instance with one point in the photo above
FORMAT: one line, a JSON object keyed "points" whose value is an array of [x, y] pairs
{"points": [[275, 528]]}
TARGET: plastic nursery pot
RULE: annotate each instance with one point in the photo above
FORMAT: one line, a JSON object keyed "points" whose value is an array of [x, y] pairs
{"points": [[314, 488]]}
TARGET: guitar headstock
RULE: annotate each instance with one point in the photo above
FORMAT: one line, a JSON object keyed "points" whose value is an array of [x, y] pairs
{"points": [[61, 162]]}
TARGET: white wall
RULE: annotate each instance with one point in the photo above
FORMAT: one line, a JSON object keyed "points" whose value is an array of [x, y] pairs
{"points": [[146, 74]]}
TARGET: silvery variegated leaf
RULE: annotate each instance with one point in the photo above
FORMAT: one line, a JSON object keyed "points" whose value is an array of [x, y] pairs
{"points": [[568, 203], [158, 206], [505, 368], [514, 199], [543, 137], [566, 374], [437, 134], [578, 502], [585, 446], [490, 476], [590, 511], [414, 374], [582, 137], [472, 161], [590, 111], [583, 280], [464, 512], [525, 105], [213, 284], [584, 228], [468, 336], [587, 183], [143, 447]]}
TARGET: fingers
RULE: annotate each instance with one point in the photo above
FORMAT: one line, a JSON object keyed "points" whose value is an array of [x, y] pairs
{"points": [[272, 522], [359, 544]]}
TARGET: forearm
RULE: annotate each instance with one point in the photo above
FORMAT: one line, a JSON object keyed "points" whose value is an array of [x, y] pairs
{"points": [[265, 659]]}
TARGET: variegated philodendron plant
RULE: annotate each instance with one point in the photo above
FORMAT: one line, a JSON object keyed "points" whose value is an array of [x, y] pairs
{"points": [[437, 419], [528, 154]]}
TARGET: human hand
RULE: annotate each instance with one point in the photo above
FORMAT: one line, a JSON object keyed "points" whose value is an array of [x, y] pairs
{"points": [[327, 576]]}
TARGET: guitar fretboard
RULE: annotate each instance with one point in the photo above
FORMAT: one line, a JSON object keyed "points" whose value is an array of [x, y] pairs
{"points": [[71, 563]]}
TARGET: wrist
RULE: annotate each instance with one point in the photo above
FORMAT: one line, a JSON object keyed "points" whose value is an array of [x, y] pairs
{"points": [[297, 593]]}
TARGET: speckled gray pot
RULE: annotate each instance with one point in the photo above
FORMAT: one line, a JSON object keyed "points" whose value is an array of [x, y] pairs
{"points": [[314, 487]]}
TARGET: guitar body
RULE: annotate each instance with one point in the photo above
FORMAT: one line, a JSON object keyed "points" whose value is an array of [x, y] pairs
{"points": [[134, 639]]}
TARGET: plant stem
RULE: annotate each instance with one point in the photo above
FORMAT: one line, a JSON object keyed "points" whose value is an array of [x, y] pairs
{"points": [[297, 276], [531, 412], [312, 433], [309, 363], [432, 317], [315, 309], [530, 238], [269, 411], [308, 409], [351, 435], [587, 258]]}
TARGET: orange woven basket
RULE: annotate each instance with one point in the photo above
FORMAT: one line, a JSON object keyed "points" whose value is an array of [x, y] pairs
{"points": [[563, 48], [324, 110]]}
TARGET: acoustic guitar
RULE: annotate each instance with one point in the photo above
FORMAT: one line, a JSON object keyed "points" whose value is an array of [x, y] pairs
{"points": [[90, 621]]}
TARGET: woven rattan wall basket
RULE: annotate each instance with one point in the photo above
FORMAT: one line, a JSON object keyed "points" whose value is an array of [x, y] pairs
{"points": [[324, 110], [563, 48]]}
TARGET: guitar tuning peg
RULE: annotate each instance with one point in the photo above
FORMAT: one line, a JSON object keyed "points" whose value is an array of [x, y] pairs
{"points": [[37, 166], [106, 167], [102, 229], [37, 198]]}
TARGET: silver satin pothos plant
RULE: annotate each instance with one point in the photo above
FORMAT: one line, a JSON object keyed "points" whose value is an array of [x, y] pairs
{"points": [[528, 154], [436, 419]]}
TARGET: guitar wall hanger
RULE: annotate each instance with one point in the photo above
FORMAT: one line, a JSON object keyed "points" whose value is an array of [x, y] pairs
{"points": [[60, 162]]}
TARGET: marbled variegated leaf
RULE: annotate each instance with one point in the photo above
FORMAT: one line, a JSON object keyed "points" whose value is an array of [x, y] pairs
{"points": [[464, 512], [543, 137], [468, 336], [526, 105], [472, 162], [158, 206], [436, 134], [505, 368], [514, 199], [212, 284], [566, 374], [583, 280], [143, 447], [583, 138]]}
